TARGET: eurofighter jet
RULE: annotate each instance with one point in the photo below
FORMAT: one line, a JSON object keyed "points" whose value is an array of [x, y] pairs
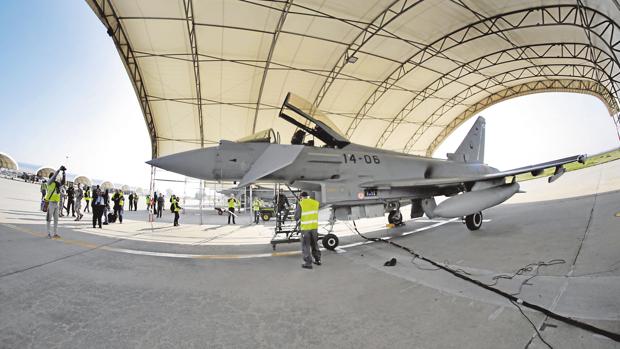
{"points": [[358, 181]]}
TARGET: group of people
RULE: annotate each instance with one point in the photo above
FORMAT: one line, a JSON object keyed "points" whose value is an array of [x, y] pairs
{"points": [[57, 197], [70, 197]]}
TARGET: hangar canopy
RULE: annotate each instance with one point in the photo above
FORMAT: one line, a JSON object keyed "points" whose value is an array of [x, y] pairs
{"points": [[397, 74], [44, 172], [83, 180], [6, 161]]}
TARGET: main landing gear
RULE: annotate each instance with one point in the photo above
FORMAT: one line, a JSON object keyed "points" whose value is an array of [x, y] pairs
{"points": [[474, 221], [395, 217]]}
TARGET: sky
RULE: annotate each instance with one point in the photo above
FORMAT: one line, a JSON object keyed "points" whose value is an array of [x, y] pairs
{"points": [[67, 99]]}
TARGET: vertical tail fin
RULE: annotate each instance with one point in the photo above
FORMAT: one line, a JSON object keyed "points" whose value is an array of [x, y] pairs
{"points": [[472, 147]]}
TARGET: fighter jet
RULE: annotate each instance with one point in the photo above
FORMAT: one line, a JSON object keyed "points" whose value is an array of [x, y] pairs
{"points": [[358, 181]]}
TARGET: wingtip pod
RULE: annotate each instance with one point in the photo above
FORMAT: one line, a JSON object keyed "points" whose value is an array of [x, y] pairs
{"points": [[582, 158]]}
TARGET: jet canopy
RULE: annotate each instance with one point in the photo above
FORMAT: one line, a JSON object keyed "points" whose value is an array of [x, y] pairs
{"points": [[264, 136], [300, 113]]}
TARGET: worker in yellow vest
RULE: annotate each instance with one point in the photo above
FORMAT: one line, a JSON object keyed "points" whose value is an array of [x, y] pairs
{"points": [[88, 197], [176, 209], [256, 204], [148, 202], [307, 214], [119, 203], [232, 202], [52, 201]]}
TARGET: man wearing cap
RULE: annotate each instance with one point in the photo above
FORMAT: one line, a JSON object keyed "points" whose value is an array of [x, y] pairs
{"points": [[307, 214]]}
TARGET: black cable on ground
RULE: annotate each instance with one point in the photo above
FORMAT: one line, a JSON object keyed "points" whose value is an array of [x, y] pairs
{"points": [[549, 313]]}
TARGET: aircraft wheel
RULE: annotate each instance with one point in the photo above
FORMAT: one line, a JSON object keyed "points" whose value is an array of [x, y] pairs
{"points": [[330, 241], [266, 217], [395, 217], [474, 221]]}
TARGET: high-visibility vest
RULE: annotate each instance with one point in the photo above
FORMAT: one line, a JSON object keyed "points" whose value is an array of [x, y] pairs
{"points": [[231, 203], [175, 205], [87, 196], [52, 193], [121, 201], [309, 214], [256, 205]]}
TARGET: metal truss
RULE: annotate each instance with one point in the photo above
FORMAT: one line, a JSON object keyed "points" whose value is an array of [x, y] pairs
{"points": [[393, 11], [538, 73], [596, 22], [563, 85], [578, 51], [188, 6], [276, 34], [108, 16]]}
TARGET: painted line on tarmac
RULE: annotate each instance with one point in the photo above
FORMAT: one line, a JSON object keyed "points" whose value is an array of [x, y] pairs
{"points": [[340, 249], [92, 246]]}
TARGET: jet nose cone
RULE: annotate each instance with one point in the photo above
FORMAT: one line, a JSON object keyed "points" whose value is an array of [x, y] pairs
{"points": [[197, 163]]}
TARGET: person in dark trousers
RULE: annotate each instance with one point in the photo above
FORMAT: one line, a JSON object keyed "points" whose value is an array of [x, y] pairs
{"points": [[119, 201], [98, 206], [71, 200], [307, 214], [106, 206], [232, 202], [160, 205], [130, 201], [135, 201], [176, 209], [155, 203], [88, 197], [43, 189], [282, 205]]}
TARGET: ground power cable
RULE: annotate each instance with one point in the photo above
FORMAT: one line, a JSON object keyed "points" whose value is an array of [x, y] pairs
{"points": [[510, 297]]}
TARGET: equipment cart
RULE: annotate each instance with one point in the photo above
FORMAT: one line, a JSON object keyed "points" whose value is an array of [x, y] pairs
{"points": [[287, 231]]}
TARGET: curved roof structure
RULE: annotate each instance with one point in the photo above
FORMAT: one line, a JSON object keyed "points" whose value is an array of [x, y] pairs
{"points": [[82, 180], [6, 161], [397, 74], [44, 172], [107, 185]]}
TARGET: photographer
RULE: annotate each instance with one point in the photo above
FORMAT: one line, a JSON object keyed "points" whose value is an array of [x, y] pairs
{"points": [[52, 201]]}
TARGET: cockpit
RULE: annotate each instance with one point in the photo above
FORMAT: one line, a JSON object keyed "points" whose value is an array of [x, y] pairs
{"points": [[311, 124]]}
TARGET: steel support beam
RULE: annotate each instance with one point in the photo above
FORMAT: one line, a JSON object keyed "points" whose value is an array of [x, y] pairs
{"points": [[109, 18], [538, 17], [539, 72], [577, 51], [188, 6], [565, 85], [274, 41]]}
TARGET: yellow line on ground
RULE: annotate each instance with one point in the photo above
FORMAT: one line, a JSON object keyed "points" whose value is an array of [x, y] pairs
{"points": [[91, 246]]}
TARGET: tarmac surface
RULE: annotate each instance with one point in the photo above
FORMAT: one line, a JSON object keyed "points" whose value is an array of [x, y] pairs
{"points": [[150, 285]]}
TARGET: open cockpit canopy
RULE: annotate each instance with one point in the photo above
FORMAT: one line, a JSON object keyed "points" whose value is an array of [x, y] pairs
{"points": [[300, 113]]}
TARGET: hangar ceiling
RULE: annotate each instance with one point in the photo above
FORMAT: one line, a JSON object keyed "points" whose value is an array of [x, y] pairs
{"points": [[397, 74]]}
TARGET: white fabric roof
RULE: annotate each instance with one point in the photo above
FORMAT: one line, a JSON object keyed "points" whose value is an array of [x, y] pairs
{"points": [[397, 74], [6, 161]]}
